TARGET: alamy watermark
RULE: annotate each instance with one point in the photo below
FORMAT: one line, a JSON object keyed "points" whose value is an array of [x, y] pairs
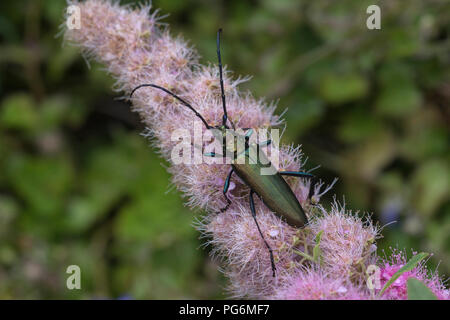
{"points": [[73, 17], [74, 280], [373, 277], [374, 20]]}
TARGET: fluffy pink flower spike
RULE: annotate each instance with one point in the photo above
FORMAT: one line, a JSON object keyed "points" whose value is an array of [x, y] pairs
{"points": [[135, 50]]}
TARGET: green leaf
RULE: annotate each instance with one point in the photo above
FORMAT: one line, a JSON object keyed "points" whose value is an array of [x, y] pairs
{"points": [[53, 110], [316, 250], [399, 100], [430, 186], [358, 126], [42, 182], [417, 290], [303, 254], [18, 112], [9, 210], [337, 88], [402, 42], [305, 110], [411, 264], [399, 95]]}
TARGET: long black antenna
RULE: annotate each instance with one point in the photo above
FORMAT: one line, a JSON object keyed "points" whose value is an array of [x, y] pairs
{"points": [[225, 115], [175, 96]]}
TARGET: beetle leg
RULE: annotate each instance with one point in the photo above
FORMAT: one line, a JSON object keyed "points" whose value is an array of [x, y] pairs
{"points": [[249, 132], [252, 208], [213, 155], [265, 143], [299, 174], [225, 189]]}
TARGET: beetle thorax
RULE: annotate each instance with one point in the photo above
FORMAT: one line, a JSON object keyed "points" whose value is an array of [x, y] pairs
{"points": [[234, 142]]}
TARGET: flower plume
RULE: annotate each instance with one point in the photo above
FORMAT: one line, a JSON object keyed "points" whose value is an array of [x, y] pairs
{"points": [[136, 49]]}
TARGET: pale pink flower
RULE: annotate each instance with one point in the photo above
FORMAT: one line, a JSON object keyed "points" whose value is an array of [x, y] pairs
{"points": [[348, 242], [313, 284]]}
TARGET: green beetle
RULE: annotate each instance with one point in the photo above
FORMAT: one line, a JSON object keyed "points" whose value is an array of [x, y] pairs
{"points": [[272, 189]]}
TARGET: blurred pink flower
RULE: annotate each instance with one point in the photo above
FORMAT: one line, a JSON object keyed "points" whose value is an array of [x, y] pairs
{"points": [[398, 289]]}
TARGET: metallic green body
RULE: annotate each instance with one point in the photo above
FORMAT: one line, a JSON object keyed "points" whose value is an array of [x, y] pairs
{"points": [[272, 189]]}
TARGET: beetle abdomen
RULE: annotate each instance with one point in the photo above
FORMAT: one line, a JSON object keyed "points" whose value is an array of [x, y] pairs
{"points": [[274, 192]]}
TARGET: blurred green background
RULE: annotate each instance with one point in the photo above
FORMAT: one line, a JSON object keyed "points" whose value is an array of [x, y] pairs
{"points": [[80, 185]]}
